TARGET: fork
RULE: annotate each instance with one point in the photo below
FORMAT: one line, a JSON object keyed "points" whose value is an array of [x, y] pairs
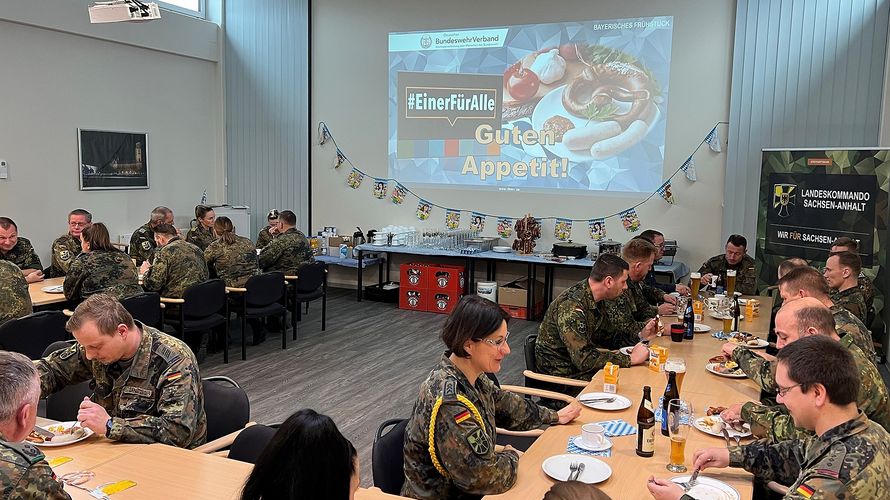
{"points": [[580, 470], [573, 468], [692, 480], [598, 400]]}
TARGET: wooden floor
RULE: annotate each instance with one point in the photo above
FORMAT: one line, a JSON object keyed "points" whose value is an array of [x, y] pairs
{"points": [[365, 368]]}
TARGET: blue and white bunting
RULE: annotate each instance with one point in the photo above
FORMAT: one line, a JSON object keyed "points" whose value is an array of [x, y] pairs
{"points": [[713, 140], [689, 167], [665, 192]]}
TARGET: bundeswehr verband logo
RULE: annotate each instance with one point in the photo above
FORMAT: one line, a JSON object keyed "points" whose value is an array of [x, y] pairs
{"points": [[783, 198]]}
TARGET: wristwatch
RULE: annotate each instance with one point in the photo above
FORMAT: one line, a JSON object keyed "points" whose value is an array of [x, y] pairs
{"points": [[108, 427]]}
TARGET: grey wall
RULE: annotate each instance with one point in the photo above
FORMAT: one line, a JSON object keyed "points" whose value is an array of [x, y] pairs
{"points": [[266, 78], [806, 73]]}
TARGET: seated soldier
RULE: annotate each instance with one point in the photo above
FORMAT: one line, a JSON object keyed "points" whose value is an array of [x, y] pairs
{"points": [[19, 251], [288, 250], [866, 285], [177, 265], [566, 347], [146, 384], [657, 239], [15, 299], [24, 473], [267, 233], [736, 259], [846, 457], [842, 274], [142, 242], [67, 247]]}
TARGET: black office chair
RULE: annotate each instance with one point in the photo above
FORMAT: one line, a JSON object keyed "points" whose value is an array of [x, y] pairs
{"points": [[226, 406], [251, 443], [32, 334], [63, 405], [310, 284], [202, 307], [144, 307], [262, 296], [388, 456]]}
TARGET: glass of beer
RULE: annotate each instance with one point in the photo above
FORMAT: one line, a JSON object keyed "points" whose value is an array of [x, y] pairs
{"points": [[730, 282], [679, 417], [694, 284], [678, 366]]}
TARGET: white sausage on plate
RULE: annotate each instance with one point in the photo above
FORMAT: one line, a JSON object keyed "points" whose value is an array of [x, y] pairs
{"points": [[590, 134], [621, 142]]}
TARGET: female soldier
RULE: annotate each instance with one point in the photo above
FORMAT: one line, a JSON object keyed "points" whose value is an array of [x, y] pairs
{"points": [[100, 268], [231, 257], [449, 444], [202, 234], [268, 232]]}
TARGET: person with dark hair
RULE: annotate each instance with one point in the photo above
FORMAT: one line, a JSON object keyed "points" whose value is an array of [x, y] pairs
{"points": [[577, 320], [142, 241], [866, 285], [575, 490], [807, 282], [19, 251], [67, 247], [848, 455], [289, 250], [307, 457], [146, 385], [202, 234], [230, 257], [842, 274], [796, 320], [657, 239], [15, 299], [449, 440], [101, 268], [736, 259], [270, 231], [24, 472]]}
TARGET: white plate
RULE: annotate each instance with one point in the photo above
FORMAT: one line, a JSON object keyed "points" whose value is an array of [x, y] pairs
{"points": [[707, 488], [701, 328], [620, 402], [51, 444], [595, 470], [710, 368], [626, 350], [502, 249], [54, 289], [716, 315], [580, 444], [715, 431]]}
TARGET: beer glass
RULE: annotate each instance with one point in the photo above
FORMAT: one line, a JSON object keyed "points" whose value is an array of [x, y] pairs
{"points": [[681, 307], [678, 366], [730, 282], [694, 284], [679, 417]]}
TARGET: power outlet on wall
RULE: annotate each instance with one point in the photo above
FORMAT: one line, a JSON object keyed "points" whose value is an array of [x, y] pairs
{"points": [[4, 170]]}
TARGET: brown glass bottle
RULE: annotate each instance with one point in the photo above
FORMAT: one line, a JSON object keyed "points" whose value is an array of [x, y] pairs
{"points": [[646, 425], [670, 392]]}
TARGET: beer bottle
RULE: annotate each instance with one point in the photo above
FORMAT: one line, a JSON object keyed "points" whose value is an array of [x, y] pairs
{"points": [[670, 392], [646, 425], [689, 321], [736, 312]]}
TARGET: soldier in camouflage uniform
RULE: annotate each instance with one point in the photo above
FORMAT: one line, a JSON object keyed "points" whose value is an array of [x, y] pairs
{"points": [[102, 268], [736, 259], [146, 384], [142, 241], [852, 300], [15, 300], [576, 326], [842, 274], [231, 257], [449, 440], [24, 473], [807, 282], [289, 250], [268, 232], [67, 247], [202, 234], [178, 265], [865, 284], [19, 251]]}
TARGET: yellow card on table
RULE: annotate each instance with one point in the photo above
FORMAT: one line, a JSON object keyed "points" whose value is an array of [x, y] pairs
{"points": [[55, 462], [111, 489]]}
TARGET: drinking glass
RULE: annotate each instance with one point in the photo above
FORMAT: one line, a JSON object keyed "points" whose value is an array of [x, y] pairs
{"points": [[678, 366], [679, 417]]}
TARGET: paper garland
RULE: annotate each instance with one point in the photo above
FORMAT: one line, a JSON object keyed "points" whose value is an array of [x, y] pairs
{"points": [[379, 189], [665, 192], [340, 159], [354, 180], [477, 222], [689, 167], [563, 229], [452, 219], [596, 228], [424, 209], [398, 194], [630, 220], [713, 140], [505, 227]]}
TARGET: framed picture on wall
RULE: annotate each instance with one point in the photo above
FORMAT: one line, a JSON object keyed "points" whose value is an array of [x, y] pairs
{"points": [[112, 160]]}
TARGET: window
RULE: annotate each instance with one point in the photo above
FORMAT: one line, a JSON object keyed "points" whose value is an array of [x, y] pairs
{"points": [[188, 7]]}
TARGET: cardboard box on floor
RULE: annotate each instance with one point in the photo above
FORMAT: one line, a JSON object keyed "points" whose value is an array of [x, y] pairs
{"points": [[515, 293]]}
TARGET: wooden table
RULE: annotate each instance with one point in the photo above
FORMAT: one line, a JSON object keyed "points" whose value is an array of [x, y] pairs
{"points": [[629, 471], [41, 298]]}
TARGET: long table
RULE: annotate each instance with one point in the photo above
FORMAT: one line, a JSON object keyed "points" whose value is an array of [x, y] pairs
{"points": [[41, 298], [629, 471]]}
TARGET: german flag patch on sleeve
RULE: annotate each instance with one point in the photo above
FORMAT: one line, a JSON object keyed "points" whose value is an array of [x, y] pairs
{"points": [[174, 376], [460, 417], [805, 490]]}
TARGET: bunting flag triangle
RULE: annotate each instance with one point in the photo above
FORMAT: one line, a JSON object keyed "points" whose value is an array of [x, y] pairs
{"points": [[665, 192], [713, 141], [424, 208], [354, 179], [452, 219], [324, 135], [340, 159], [380, 186], [398, 194], [563, 229], [597, 229], [630, 220], [477, 221], [689, 168], [505, 227]]}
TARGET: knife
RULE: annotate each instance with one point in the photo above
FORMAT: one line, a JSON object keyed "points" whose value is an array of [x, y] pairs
{"points": [[726, 436]]}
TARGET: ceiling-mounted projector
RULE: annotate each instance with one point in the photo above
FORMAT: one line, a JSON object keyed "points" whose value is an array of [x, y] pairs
{"points": [[117, 11]]}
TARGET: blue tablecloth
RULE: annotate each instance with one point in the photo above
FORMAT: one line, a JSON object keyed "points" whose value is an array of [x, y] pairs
{"points": [[353, 263]]}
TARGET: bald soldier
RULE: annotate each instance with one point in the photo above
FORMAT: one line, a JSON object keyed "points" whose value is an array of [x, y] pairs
{"points": [[24, 473], [67, 247], [798, 319], [146, 385], [846, 457], [142, 242], [15, 300]]}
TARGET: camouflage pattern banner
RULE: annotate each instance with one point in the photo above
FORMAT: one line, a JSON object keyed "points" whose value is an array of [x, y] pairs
{"points": [[809, 198]]}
